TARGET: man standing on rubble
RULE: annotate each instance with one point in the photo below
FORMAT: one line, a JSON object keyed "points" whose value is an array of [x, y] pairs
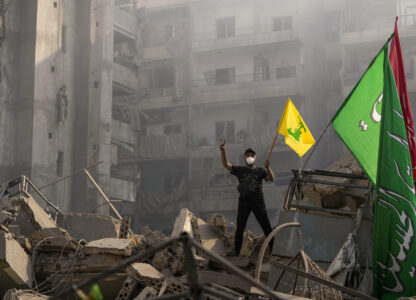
{"points": [[251, 197]]}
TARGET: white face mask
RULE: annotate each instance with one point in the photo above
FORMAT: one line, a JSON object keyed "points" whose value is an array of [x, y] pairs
{"points": [[250, 160]]}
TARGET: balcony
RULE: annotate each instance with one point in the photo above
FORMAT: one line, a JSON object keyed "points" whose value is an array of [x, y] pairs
{"points": [[170, 146], [152, 5], [122, 189], [245, 37], [125, 23], [160, 98], [246, 88], [121, 132], [125, 76], [380, 32]]}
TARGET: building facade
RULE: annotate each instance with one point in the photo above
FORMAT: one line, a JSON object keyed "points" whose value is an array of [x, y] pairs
{"points": [[145, 89]]}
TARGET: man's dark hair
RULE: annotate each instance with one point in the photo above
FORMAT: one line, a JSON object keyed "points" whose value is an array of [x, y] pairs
{"points": [[249, 150]]}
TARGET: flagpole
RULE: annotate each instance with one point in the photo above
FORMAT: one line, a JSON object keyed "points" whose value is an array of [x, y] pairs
{"points": [[271, 149], [316, 144]]}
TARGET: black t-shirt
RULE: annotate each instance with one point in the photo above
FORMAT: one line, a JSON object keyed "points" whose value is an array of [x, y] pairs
{"points": [[249, 180]]}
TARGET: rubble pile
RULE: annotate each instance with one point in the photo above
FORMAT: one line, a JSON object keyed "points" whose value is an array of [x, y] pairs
{"points": [[42, 253], [337, 196]]}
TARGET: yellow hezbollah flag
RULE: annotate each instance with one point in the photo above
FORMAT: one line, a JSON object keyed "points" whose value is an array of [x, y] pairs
{"points": [[298, 136]]}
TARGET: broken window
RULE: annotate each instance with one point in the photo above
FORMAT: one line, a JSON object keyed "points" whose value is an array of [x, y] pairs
{"points": [[225, 76], [285, 72], [172, 129], [283, 23], [160, 77], [225, 130], [225, 27]]}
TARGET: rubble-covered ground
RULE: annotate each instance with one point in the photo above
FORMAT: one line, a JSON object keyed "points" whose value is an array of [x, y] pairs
{"points": [[43, 253]]}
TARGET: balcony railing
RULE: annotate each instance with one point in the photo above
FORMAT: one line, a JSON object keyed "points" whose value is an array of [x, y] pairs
{"points": [[253, 77], [240, 31]]}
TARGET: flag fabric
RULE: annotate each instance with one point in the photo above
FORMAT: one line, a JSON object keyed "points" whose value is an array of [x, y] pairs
{"points": [[394, 243], [396, 62], [297, 135], [357, 122]]}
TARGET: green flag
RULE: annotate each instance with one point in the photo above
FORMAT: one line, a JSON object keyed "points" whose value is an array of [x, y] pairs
{"points": [[394, 245], [357, 122]]}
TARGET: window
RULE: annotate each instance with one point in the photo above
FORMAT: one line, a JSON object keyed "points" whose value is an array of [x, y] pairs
{"points": [[225, 130], [225, 27], [286, 72], [174, 30], [160, 77], [282, 23], [224, 76], [172, 129], [261, 69]]}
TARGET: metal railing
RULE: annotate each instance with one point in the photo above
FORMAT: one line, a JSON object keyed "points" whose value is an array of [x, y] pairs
{"points": [[271, 76], [243, 31]]}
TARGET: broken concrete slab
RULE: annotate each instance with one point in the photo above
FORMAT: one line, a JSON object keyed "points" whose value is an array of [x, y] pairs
{"points": [[89, 226], [14, 294], [30, 215], [15, 264], [110, 246], [52, 239], [182, 223], [210, 239], [144, 271], [153, 238]]}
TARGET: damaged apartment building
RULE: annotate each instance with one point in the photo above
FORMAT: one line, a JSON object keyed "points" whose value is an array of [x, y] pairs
{"points": [[140, 92]]}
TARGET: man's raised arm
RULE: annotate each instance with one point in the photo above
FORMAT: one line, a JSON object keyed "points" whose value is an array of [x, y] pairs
{"points": [[224, 160], [270, 174]]}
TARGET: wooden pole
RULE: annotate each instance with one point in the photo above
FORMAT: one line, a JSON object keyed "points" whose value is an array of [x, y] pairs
{"points": [[274, 142]]}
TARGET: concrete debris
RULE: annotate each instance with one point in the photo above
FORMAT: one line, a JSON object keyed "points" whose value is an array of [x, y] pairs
{"points": [[15, 264], [36, 252], [182, 223], [89, 227], [209, 238], [144, 272], [147, 292], [110, 246], [337, 196]]}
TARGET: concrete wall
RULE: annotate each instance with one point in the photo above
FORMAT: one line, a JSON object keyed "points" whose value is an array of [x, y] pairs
{"points": [[100, 97], [9, 88]]}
